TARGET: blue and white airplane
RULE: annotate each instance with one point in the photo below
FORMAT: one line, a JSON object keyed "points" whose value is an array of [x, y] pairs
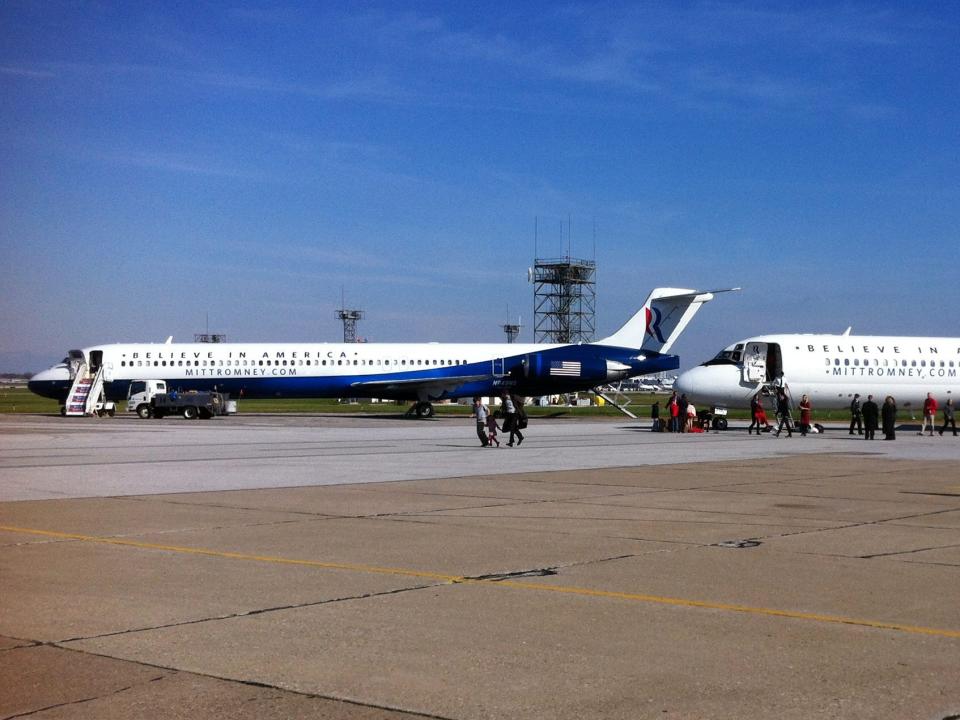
{"points": [[420, 372]]}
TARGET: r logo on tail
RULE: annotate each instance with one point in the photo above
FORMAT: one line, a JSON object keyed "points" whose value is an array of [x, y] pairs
{"points": [[654, 317]]}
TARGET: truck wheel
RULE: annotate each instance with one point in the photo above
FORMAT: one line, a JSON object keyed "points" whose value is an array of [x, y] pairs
{"points": [[143, 411], [720, 423], [190, 412]]}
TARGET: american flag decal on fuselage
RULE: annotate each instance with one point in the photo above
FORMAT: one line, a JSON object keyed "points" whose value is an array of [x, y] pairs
{"points": [[567, 368]]}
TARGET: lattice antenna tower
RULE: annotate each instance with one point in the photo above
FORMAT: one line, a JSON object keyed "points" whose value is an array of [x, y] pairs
{"points": [[209, 337], [564, 299], [349, 319]]}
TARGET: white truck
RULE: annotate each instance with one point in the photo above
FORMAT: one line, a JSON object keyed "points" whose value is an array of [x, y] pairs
{"points": [[150, 398]]}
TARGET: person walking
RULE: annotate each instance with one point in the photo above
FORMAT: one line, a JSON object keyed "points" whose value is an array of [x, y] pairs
{"points": [[856, 415], [492, 428], [948, 417], [889, 415], [871, 418], [481, 412], [511, 421], [806, 415], [783, 413], [929, 414]]}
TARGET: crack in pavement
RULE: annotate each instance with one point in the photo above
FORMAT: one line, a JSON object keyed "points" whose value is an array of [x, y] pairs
{"points": [[249, 613]]}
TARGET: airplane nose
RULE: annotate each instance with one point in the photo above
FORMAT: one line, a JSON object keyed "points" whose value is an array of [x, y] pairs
{"points": [[698, 383], [718, 384], [45, 382]]}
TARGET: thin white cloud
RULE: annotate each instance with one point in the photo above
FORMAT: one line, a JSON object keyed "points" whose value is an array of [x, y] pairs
{"points": [[25, 72]]}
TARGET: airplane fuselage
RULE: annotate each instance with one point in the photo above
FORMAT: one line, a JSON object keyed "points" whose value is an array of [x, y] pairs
{"points": [[409, 371], [830, 369]]}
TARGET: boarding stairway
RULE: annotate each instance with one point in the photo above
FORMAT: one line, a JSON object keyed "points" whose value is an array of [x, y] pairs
{"points": [[618, 400], [85, 393]]}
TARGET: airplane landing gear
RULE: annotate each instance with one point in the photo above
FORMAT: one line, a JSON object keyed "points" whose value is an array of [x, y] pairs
{"points": [[423, 410]]}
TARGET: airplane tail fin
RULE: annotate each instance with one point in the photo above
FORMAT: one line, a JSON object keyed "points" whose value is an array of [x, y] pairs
{"points": [[664, 315]]}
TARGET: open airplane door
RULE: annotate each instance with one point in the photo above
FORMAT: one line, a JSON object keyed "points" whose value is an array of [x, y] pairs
{"points": [[755, 363]]}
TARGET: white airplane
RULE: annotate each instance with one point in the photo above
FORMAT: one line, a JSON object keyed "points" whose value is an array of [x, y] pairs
{"points": [[828, 368], [418, 372]]}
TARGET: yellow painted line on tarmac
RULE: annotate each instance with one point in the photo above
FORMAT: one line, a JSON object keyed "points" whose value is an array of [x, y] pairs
{"points": [[504, 583], [232, 555], [683, 602]]}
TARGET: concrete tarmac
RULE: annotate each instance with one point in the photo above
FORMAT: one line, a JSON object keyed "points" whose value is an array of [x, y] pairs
{"points": [[349, 567]]}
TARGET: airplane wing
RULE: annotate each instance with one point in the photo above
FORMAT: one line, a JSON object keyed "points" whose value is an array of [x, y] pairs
{"points": [[425, 388]]}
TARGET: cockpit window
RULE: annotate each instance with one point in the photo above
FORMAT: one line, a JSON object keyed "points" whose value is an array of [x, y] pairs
{"points": [[725, 357]]}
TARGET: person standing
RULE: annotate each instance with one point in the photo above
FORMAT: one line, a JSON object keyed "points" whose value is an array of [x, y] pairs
{"points": [[806, 413], [948, 417], [655, 416], [871, 418], [682, 413], [674, 411], [756, 407], [929, 413], [480, 412], [856, 415], [889, 415]]}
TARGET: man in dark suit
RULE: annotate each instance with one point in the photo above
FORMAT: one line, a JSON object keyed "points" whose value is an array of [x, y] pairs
{"points": [[871, 417]]}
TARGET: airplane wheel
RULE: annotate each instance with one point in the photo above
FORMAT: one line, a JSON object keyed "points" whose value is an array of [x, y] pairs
{"points": [[143, 411], [111, 413], [190, 412], [424, 410]]}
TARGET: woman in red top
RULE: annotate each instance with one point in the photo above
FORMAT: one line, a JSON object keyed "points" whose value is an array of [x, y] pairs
{"points": [[805, 412]]}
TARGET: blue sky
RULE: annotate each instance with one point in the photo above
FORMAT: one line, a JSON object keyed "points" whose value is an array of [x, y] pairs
{"points": [[161, 163]]}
